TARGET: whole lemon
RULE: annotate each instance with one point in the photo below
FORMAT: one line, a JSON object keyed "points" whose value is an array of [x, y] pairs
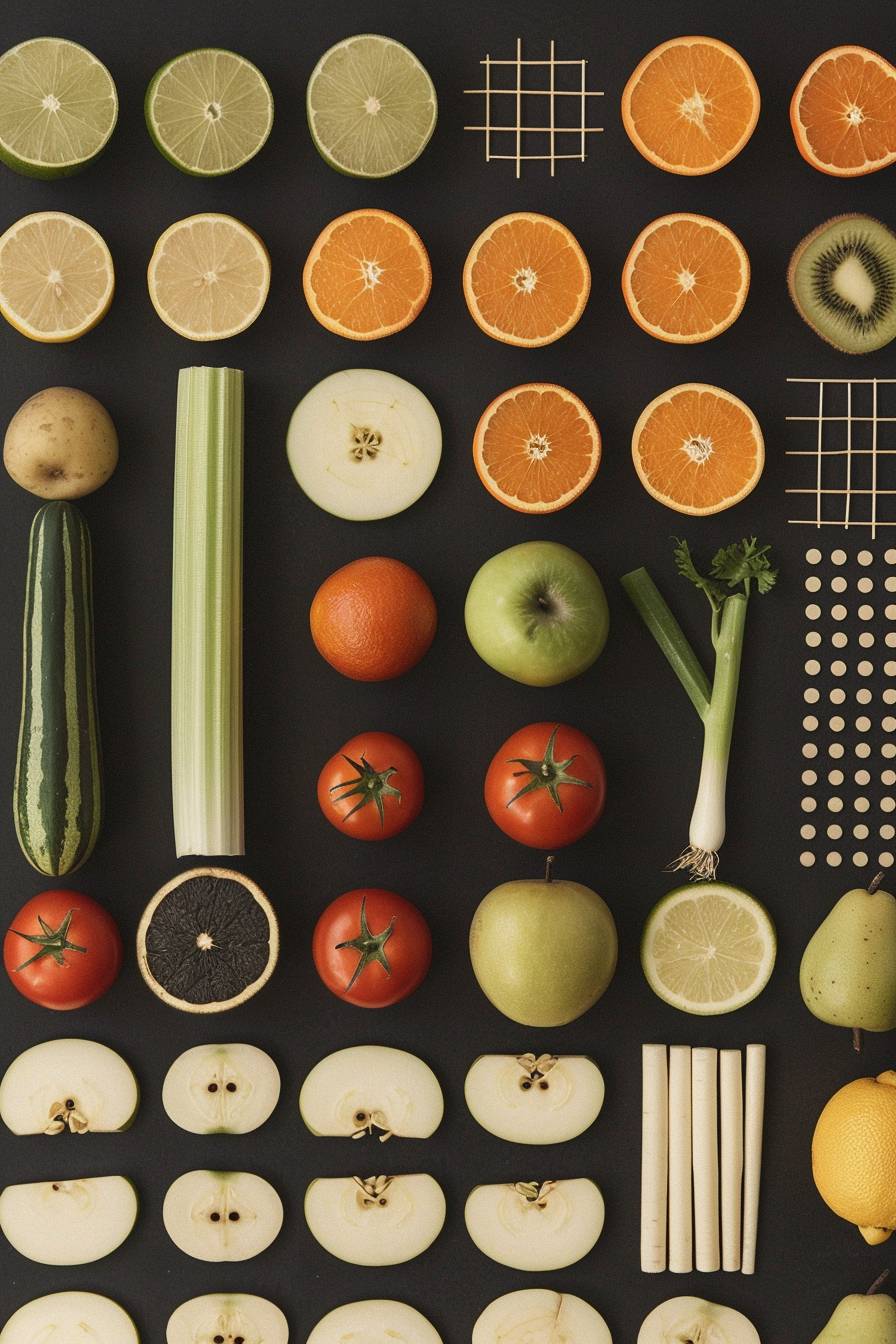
{"points": [[854, 1155]]}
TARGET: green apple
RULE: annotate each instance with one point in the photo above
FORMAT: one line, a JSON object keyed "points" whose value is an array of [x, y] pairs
{"points": [[537, 613], [542, 950]]}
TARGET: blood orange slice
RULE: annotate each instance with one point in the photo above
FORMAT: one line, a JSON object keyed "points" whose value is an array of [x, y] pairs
{"points": [[536, 448]]}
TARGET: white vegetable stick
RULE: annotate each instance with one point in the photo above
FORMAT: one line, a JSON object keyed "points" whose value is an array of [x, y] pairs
{"points": [[732, 1131], [754, 1107], [705, 1104], [654, 1157], [681, 1237]]}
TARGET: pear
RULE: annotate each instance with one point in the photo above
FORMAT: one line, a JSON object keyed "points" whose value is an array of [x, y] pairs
{"points": [[848, 971], [862, 1318]]}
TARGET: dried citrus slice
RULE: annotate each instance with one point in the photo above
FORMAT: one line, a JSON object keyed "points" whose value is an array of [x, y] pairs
{"points": [[208, 277], [698, 449], [686, 278], [691, 105], [367, 275], [209, 111], [536, 448], [58, 107], [526, 279], [843, 112], [56, 277]]}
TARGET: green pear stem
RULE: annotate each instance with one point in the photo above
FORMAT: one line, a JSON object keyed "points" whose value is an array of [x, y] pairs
{"points": [[874, 884], [878, 1283], [857, 1040], [549, 868]]}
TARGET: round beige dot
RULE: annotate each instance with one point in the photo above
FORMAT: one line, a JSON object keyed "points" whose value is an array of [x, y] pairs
{"points": [[863, 751], [860, 831], [834, 831], [809, 777], [838, 668], [838, 557], [812, 584], [812, 667], [834, 859], [889, 723], [864, 696], [865, 668], [866, 612], [839, 639], [889, 697], [813, 611], [890, 611], [890, 555], [835, 804], [836, 777], [888, 751], [808, 804], [890, 668], [865, 558], [887, 831], [837, 724], [861, 804], [890, 639], [888, 777], [888, 804], [813, 555], [839, 612], [807, 831], [809, 750], [807, 858], [860, 858], [865, 585], [813, 639], [890, 584], [886, 859], [810, 723], [837, 696], [811, 695], [839, 584], [862, 777], [866, 640], [835, 750], [863, 723]]}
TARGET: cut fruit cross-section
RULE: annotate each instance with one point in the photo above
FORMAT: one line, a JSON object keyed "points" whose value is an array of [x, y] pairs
{"points": [[56, 277], [540, 1316], [60, 1317], [68, 1221], [375, 1220], [367, 275], [842, 279], [538, 1226], [58, 107], [686, 278], [68, 1086], [843, 112], [226, 1317], [209, 277], [209, 111], [222, 1215], [534, 1098], [367, 1089], [698, 449], [536, 448], [221, 1089], [375, 1321]]}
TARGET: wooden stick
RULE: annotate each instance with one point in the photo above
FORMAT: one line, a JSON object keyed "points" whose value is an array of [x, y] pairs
{"points": [[705, 1111], [654, 1157], [681, 1237], [754, 1108], [732, 1130]]}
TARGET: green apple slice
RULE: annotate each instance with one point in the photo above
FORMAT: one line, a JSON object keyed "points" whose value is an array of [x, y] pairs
{"points": [[374, 1321], [221, 1089], [68, 1222], [534, 1099], [364, 444], [68, 1085], [58, 1318], [372, 1089], [375, 1220], [226, 1316], [540, 1316], [222, 1215], [536, 1226], [694, 1318]]}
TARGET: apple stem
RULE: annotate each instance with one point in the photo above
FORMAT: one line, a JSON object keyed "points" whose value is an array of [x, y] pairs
{"points": [[857, 1040], [878, 1283], [549, 868], [874, 884]]}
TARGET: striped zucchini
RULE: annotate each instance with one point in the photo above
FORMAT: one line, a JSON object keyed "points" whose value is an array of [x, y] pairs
{"points": [[57, 796]]}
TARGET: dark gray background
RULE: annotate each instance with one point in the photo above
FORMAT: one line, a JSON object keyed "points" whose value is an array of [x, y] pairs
{"points": [[453, 708]]}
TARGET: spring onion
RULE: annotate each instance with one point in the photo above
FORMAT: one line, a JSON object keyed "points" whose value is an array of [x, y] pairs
{"points": [[733, 573], [206, 635]]}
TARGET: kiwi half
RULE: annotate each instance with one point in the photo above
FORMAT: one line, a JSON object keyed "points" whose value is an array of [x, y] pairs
{"points": [[842, 279]]}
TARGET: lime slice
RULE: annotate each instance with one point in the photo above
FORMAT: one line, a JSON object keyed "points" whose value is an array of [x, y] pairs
{"points": [[209, 277], [708, 948], [209, 111], [56, 277], [371, 106], [58, 107]]}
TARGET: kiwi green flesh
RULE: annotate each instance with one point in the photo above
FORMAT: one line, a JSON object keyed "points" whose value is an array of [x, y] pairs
{"points": [[843, 282]]}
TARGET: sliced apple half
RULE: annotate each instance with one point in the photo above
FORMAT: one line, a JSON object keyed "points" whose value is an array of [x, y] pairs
{"points": [[375, 1321], [689, 1318], [58, 1318], [375, 1220], [226, 1317], [372, 1089], [534, 1099], [221, 1089], [536, 1226], [71, 1222], [540, 1316], [68, 1086], [222, 1215]]}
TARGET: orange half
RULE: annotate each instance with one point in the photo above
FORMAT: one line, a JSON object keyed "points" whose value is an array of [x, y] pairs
{"points": [[368, 275], [698, 449], [536, 448], [843, 112], [526, 280], [686, 278], [691, 105]]}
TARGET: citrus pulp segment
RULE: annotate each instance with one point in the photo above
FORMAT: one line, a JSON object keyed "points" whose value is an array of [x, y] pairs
{"points": [[56, 277], [685, 278], [843, 112], [209, 111], [58, 107], [536, 448], [371, 106], [209, 277], [367, 275]]}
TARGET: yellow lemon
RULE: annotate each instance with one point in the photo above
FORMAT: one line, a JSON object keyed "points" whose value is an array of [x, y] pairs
{"points": [[854, 1155]]}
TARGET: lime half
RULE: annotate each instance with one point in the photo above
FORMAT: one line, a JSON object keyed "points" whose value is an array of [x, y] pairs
{"points": [[58, 107], [708, 948], [371, 106], [209, 111]]}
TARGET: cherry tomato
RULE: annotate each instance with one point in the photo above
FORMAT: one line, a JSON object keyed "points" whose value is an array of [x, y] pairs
{"points": [[62, 950], [373, 787], [371, 947], [546, 786]]}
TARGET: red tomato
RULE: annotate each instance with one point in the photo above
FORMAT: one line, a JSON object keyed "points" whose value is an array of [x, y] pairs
{"points": [[546, 786], [371, 947], [372, 788], [62, 950]]}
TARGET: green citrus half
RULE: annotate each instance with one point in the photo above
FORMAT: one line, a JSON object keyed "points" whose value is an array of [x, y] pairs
{"points": [[58, 107], [209, 111]]}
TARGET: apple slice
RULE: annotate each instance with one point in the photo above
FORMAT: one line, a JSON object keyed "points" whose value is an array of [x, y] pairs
{"points": [[375, 1220], [221, 1089], [364, 444], [367, 1088], [529, 1099], [540, 1316], [538, 1227], [68, 1085], [375, 1321], [72, 1222], [222, 1215], [227, 1316], [60, 1317], [693, 1318]]}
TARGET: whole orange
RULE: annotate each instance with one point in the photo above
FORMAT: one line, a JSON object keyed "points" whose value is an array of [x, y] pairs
{"points": [[373, 619]]}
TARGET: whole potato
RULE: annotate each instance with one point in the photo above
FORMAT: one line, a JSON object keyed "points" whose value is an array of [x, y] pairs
{"points": [[61, 444]]}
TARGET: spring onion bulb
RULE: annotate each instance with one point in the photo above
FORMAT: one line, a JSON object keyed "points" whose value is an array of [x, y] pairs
{"points": [[654, 1158], [206, 634], [754, 1106], [732, 1147], [681, 1237], [704, 1083]]}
